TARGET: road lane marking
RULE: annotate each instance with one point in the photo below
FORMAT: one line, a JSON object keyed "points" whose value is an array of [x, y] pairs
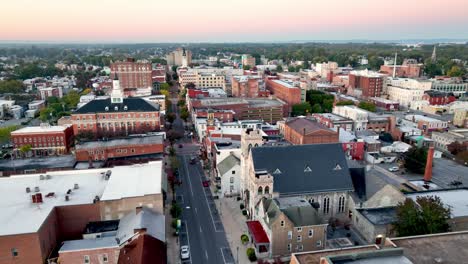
{"points": [[188, 239], [222, 254], [188, 176], [206, 254]]}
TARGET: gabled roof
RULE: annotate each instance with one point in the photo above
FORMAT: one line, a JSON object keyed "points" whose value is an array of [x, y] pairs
{"points": [[145, 219], [133, 105], [292, 162], [307, 126], [228, 163]]}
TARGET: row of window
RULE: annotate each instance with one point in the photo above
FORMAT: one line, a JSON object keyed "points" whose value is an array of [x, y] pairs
{"points": [[300, 247], [116, 124], [20, 140], [84, 118], [103, 258]]}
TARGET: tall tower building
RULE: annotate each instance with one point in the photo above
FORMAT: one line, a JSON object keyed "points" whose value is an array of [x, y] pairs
{"points": [[117, 94], [434, 54], [249, 139]]}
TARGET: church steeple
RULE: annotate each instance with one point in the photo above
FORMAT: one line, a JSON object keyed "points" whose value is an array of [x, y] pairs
{"points": [[434, 54]]}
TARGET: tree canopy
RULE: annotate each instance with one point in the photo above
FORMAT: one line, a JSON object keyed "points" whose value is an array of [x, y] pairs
{"points": [[428, 215], [415, 159], [367, 106]]}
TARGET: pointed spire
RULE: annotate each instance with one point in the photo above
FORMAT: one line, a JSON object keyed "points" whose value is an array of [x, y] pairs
{"points": [[116, 77], [434, 54]]}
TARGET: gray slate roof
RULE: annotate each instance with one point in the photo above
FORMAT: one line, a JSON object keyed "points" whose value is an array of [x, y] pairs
{"points": [[299, 215], [154, 224], [228, 163], [133, 105], [293, 162]]}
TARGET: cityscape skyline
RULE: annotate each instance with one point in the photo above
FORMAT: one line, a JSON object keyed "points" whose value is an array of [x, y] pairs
{"points": [[208, 21]]}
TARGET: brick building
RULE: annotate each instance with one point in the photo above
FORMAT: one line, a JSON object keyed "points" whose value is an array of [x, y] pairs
{"points": [[46, 92], [41, 211], [268, 110], [116, 116], [44, 140], [365, 84], [132, 74], [285, 91], [221, 115], [245, 86], [403, 71], [438, 98], [300, 131], [334, 121], [119, 148]]}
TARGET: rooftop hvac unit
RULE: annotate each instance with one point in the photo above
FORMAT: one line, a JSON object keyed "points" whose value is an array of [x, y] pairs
{"points": [[41, 177], [76, 186], [69, 191], [106, 108], [36, 189], [48, 177], [67, 198], [125, 108], [28, 190]]}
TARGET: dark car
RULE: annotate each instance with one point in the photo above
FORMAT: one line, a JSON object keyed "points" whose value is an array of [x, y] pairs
{"points": [[193, 160], [181, 146], [206, 183]]}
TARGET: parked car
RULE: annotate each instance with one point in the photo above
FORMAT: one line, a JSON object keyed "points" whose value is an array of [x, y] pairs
{"points": [[184, 252], [393, 169], [193, 160], [206, 183]]}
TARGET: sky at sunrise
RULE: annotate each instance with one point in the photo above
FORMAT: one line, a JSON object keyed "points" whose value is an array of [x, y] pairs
{"points": [[230, 20]]}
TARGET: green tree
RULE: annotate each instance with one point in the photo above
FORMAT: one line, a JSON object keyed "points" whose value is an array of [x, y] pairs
{"points": [[175, 210], [190, 85], [346, 102], [301, 109], [455, 71], [184, 114], [11, 86], [367, 106], [292, 69], [164, 86], [415, 159], [5, 132], [170, 117], [428, 215], [246, 67], [316, 108], [432, 69], [71, 99], [375, 62], [279, 68]]}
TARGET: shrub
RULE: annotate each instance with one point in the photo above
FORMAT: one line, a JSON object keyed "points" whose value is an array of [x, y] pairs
{"points": [[242, 206], [244, 239], [175, 210], [174, 223], [244, 212], [251, 254]]}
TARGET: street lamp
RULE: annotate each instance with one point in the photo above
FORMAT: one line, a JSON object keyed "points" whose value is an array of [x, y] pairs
{"points": [[237, 254]]}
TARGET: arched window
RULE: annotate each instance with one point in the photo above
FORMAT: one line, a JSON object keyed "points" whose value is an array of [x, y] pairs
{"points": [[311, 200], [326, 205], [260, 190], [250, 146], [256, 145], [341, 204], [267, 190]]}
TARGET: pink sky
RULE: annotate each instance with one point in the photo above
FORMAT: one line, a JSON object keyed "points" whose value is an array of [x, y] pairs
{"points": [[231, 20]]}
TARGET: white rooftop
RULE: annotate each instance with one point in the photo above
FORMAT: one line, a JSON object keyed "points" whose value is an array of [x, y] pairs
{"points": [[455, 199], [39, 129], [19, 215]]}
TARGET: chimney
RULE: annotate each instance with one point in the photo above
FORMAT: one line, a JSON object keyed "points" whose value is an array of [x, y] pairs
{"points": [[138, 209], [428, 171]]}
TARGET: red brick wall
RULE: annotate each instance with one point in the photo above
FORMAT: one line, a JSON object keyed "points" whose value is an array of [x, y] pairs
{"points": [[27, 246], [406, 71], [370, 86], [245, 89], [44, 140], [136, 119], [291, 96], [318, 137], [72, 219], [95, 256], [134, 75], [222, 116], [118, 151]]}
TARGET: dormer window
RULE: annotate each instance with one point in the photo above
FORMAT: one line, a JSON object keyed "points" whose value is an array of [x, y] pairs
{"points": [[277, 171], [307, 169], [337, 167]]}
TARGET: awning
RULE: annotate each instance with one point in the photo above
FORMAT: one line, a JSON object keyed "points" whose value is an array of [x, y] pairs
{"points": [[256, 231]]}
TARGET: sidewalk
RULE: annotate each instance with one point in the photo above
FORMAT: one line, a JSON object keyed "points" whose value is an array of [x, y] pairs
{"points": [[234, 226], [171, 240]]}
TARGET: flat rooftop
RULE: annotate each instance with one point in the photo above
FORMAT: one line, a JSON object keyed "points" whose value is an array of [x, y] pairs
{"points": [[89, 244], [207, 102], [285, 83], [121, 142], [64, 161], [20, 216], [422, 118], [39, 129], [334, 117], [456, 199]]}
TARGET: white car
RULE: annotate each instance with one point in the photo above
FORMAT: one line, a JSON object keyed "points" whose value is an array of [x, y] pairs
{"points": [[393, 169], [184, 252]]}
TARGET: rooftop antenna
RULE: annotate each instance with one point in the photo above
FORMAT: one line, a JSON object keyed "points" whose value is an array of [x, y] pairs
{"points": [[394, 65]]}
